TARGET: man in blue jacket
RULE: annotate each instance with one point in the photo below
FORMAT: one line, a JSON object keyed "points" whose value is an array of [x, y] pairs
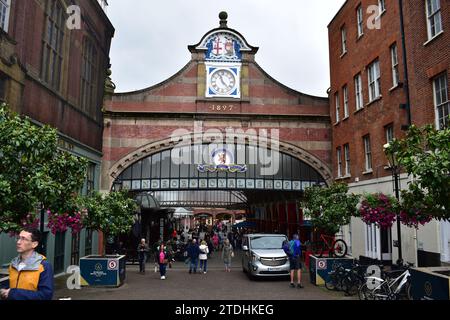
{"points": [[193, 253], [30, 274], [294, 252]]}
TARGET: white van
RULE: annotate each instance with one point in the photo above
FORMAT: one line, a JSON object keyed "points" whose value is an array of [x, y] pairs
{"points": [[264, 255]]}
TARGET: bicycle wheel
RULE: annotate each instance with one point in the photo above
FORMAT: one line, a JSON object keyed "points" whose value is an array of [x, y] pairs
{"points": [[364, 293], [351, 285], [331, 283], [317, 249], [409, 295], [339, 248]]}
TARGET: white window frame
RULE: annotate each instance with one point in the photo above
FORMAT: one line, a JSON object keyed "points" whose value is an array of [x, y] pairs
{"points": [[345, 93], [358, 92], [374, 79], [5, 9], [344, 40], [395, 66], [338, 107], [389, 130], [347, 159], [434, 18], [441, 99], [339, 161], [360, 20], [367, 153]]}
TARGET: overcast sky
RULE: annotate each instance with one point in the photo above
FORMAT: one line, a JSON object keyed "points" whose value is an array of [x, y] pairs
{"points": [[151, 39]]}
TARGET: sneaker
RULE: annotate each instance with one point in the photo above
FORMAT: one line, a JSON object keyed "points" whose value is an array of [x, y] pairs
{"points": [[204, 272], [299, 286], [163, 278], [190, 271], [292, 285]]}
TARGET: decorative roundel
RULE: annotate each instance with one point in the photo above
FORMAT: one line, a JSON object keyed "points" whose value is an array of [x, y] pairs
{"points": [[223, 81]]}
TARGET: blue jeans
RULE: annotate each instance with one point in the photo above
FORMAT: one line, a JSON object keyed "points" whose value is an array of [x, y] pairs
{"points": [[142, 264], [193, 265], [203, 265], [162, 269]]}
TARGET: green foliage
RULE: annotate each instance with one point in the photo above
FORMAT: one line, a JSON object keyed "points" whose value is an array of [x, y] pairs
{"points": [[33, 170], [113, 214], [425, 154], [330, 208]]}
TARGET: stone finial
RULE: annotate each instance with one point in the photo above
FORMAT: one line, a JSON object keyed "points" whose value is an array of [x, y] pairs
{"points": [[223, 16], [109, 85]]}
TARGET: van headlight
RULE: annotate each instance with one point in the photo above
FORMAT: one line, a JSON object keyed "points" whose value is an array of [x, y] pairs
{"points": [[255, 257]]}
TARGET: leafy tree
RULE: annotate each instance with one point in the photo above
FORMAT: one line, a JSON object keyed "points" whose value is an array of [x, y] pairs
{"points": [[112, 214], [330, 208], [425, 154], [33, 170]]}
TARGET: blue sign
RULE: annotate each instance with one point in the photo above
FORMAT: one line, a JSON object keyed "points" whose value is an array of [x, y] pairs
{"points": [[108, 271]]}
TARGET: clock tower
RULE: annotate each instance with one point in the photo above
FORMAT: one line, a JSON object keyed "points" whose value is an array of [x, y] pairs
{"points": [[222, 52]]}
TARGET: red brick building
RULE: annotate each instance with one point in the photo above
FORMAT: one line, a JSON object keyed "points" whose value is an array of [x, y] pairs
{"points": [[221, 88], [54, 55], [380, 85]]}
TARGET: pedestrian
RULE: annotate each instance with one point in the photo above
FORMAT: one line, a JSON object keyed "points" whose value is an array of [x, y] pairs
{"points": [[193, 254], [215, 240], [142, 249], [227, 255], [204, 250], [163, 259], [210, 247], [30, 274], [294, 252]]}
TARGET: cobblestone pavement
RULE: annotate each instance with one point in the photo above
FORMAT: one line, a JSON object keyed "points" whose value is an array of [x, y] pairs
{"points": [[215, 285]]}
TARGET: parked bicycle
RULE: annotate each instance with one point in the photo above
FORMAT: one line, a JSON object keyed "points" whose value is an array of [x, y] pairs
{"points": [[336, 278], [334, 247], [354, 279], [390, 288]]}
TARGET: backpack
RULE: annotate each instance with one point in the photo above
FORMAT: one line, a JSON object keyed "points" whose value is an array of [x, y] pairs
{"points": [[292, 247]]}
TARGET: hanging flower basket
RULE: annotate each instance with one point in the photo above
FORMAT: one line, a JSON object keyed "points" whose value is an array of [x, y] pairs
{"points": [[379, 209], [414, 217]]}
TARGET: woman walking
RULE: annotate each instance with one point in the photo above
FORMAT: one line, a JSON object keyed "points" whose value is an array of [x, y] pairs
{"points": [[163, 259], [227, 255], [203, 256]]}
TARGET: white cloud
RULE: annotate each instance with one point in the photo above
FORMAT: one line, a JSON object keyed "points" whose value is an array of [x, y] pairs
{"points": [[151, 38]]}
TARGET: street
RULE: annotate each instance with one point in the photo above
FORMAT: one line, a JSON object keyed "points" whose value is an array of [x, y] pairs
{"points": [[215, 285]]}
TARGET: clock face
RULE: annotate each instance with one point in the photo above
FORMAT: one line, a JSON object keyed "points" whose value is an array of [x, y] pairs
{"points": [[223, 81]]}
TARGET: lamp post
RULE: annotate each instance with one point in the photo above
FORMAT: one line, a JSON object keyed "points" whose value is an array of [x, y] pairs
{"points": [[117, 185], [395, 168], [42, 248]]}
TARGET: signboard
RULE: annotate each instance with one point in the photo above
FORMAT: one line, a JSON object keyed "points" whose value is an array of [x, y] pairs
{"points": [[217, 183], [108, 271], [320, 268]]}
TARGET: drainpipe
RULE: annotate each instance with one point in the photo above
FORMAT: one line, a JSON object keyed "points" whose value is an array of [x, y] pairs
{"points": [[405, 68]]}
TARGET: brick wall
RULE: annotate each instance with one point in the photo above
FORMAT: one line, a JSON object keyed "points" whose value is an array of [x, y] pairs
{"points": [[372, 119], [61, 108], [426, 59]]}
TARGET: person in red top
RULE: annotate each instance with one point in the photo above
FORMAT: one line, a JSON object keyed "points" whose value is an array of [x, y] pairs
{"points": [[174, 234]]}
